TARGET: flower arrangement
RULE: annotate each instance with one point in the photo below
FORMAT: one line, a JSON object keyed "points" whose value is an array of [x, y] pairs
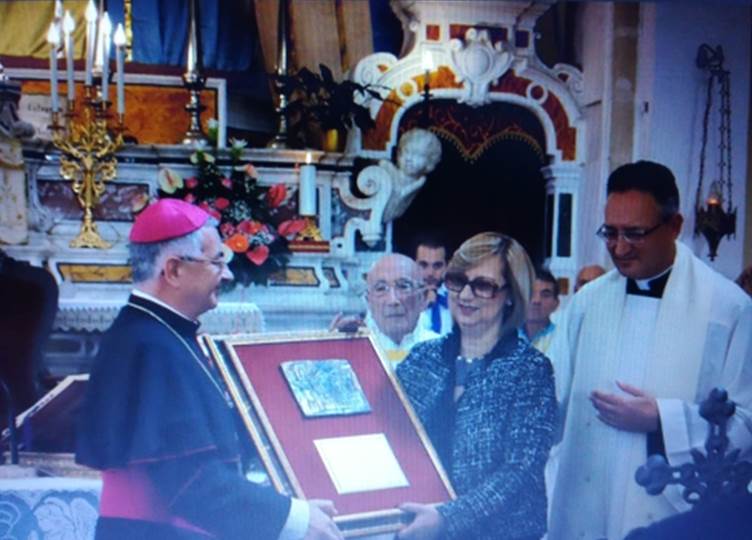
{"points": [[254, 223]]}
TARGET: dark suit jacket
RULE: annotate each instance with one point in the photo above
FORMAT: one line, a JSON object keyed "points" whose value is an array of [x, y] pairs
{"points": [[495, 440]]}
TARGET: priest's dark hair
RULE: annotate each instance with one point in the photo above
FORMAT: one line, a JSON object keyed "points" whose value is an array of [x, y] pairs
{"points": [[648, 177], [146, 258]]}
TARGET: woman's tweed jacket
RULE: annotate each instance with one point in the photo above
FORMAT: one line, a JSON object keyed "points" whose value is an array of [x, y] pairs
{"points": [[494, 441]]}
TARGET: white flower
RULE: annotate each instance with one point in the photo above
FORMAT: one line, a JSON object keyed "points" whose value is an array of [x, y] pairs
{"points": [[238, 144], [212, 123], [169, 181]]}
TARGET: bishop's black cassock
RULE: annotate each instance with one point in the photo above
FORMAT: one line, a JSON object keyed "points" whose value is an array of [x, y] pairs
{"points": [[157, 422]]}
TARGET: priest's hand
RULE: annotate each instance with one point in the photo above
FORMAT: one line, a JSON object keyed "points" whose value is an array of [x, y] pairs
{"points": [[637, 412], [320, 524], [427, 524]]}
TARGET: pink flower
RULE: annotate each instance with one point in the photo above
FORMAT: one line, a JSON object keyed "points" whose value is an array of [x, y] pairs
{"points": [[189, 198], [227, 229], [249, 227], [221, 203], [227, 182], [250, 170], [258, 254], [291, 227], [191, 183], [276, 195]]}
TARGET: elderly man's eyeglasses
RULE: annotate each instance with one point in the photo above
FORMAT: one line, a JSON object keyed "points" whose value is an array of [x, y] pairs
{"points": [[632, 236], [481, 287], [219, 264], [401, 288]]}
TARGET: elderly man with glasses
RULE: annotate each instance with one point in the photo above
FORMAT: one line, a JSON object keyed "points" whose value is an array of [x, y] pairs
{"points": [[635, 353], [396, 296], [157, 419]]}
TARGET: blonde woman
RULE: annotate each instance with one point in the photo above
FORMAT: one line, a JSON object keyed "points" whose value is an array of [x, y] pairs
{"points": [[486, 399]]}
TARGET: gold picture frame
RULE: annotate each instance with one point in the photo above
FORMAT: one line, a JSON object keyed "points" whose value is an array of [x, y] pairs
{"points": [[286, 440]]}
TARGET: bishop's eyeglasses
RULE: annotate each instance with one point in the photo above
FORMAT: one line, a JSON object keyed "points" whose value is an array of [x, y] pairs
{"points": [[218, 264]]}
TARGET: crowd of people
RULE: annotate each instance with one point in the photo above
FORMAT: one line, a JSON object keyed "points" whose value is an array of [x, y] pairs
{"points": [[539, 414]]}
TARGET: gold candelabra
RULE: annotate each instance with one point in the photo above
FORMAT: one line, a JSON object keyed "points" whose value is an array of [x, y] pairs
{"points": [[86, 142], [88, 160]]}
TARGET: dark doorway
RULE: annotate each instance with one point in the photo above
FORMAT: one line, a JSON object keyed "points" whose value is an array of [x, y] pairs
{"points": [[501, 189]]}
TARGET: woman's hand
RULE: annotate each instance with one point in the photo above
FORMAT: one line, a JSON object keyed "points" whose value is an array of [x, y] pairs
{"points": [[427, 524]]}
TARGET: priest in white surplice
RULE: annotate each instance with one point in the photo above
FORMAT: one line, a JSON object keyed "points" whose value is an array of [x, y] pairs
{"points": [[636, 352]]}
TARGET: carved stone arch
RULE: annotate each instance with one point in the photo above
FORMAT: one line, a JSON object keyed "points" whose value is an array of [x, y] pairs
{"points": [[475, 64]]}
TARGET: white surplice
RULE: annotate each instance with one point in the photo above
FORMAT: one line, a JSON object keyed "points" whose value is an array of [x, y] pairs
{"points": [[696, 337]]}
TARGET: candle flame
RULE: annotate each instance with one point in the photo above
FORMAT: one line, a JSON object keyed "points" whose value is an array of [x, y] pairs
{"points": [[69, 25], [91, 12], [119, 37], [53, 35]]}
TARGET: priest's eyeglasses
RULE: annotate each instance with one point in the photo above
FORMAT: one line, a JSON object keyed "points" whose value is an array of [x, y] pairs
{"points": [[401, 288], [481, 287], [219, 264], [632, 236]]}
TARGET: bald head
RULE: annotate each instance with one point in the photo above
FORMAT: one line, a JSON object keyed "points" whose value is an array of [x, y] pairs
{"points": [[588, 274], [396, 295]]}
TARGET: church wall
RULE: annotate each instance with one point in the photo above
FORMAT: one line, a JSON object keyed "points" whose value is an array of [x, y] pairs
{"points": [[676, 101]]}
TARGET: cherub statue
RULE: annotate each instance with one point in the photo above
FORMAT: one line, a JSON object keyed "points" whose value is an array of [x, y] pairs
{"points": [[418, 154]]}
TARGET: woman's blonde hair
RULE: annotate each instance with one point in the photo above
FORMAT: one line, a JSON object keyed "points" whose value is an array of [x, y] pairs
{"points": [[518, 271]]}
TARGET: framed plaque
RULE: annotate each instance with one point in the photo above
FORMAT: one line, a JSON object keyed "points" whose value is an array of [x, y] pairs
{"points": [[330, 421]]}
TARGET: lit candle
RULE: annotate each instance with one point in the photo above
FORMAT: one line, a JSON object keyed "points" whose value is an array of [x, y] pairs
{"points": [[427, 64], [119, 40], [91, 38], [53, 38], [307, 188], [105, 31], [68, 26]]}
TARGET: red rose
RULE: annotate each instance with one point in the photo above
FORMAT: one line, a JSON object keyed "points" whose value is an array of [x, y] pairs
{"points": [[276, 195], [221, 203], [227, 182], [291, 227], [191, 183], [258, 255], [249, 227]]}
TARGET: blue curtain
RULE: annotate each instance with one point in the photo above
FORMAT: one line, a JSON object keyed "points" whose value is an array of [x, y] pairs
{"points": [[160, 32]]}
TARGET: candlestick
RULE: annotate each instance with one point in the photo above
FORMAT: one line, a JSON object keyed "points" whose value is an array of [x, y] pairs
{"points": [[104, 36], [91, 35], [68, 26], [53, 38], [307, 188], [119, 40]]}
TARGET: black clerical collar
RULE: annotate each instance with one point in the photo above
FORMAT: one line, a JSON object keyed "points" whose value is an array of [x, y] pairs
{"points": [[655, 286], [180, 324]]}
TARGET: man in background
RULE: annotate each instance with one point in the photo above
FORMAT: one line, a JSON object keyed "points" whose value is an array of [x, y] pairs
{"points": [[396, 296], [588, 274], [431, 257], [538, 327]]}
